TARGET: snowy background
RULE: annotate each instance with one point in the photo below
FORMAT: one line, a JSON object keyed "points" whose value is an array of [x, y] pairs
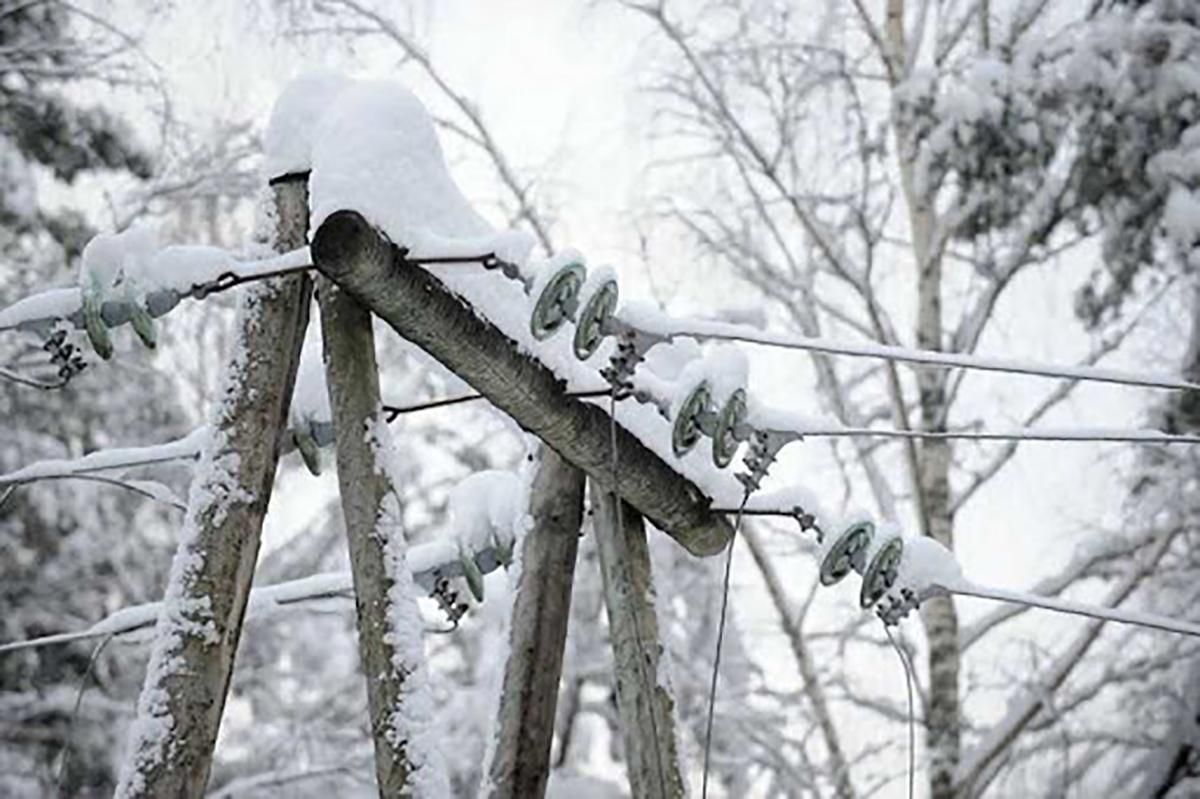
{"points": [[628, 137]]}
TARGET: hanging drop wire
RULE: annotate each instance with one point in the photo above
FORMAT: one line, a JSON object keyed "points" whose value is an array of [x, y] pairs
{"points": [[712, 687], [909, 677]]}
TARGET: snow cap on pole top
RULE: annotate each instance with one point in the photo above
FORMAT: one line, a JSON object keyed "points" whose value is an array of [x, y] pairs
{"points": [[376, 151], [288, 142]]}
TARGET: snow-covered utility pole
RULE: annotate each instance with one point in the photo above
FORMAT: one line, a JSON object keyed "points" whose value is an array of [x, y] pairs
{"points": [[537, 635], [644, 698], [179, 710], [392, 665], [348, 250]]}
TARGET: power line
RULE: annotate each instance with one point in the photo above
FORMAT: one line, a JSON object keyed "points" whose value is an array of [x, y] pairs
{"points": [[1093, 435], [1150, 620], [724, 331]]}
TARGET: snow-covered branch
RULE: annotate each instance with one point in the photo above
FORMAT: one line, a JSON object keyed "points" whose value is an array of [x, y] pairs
{"points": [[429, 563]]}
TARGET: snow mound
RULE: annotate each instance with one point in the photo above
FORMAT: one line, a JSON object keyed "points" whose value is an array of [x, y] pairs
{"points": [[376, 150], [927, 568], [288, 142], [484, 509]]}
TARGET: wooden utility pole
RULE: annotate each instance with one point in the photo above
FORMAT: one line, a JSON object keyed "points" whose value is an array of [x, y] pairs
{"points": [[644, 700], [537, 636], [179, 710], [349, 251]]}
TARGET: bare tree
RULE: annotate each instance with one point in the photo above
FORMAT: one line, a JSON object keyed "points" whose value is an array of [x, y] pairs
{"points": [[807, 212]]}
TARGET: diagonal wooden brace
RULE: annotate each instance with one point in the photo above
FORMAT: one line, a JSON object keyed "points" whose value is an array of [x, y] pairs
{"points": [[353, 254]]}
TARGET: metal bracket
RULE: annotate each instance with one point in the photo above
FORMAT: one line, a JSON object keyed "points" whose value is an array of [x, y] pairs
{"points": [[764, 449]]}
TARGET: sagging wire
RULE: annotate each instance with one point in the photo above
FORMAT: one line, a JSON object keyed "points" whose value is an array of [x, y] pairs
{"points": [[392, 412], [912, 725]]}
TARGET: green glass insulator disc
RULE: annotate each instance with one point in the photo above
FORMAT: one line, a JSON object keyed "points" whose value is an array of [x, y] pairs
{"points": [[473, 575], [93, 322], [725, 440], [881, 572], [556, 303], [686, 431], [848, 548], [143, 324], [589, 329], [310, 453]]}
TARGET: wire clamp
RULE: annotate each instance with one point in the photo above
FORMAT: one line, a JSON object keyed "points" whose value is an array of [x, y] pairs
{"points": [[64, 355], [764, 449]]}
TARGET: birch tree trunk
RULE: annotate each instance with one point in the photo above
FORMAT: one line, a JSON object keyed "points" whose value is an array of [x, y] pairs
{"points": [[644, 700], [352, 375], [520, 763], [932, 480], [1176, 761], [179, 710]]}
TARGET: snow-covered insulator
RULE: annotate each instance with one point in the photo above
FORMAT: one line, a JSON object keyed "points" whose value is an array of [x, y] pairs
{"points": [[310, 452], [686, 430], [926, 569], [472, 574], [725, 436], [883, 562], [845, 552], [557, 301], [93, 320], [597, 310]]}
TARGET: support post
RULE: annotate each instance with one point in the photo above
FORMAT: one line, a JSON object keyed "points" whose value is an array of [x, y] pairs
{"points": [[352, 376], [196, 638], [520, 763], [416, 305], [644, 701]]}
